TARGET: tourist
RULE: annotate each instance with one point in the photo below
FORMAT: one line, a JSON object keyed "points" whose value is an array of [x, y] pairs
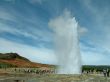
{"points": [[104, 72], [107, 72]]}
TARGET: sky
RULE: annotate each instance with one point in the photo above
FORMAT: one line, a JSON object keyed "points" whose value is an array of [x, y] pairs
{"points": [[24, 28]]}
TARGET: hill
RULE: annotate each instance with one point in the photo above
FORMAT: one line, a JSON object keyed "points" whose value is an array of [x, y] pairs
{"points": [[9, 56], [15, 60]]}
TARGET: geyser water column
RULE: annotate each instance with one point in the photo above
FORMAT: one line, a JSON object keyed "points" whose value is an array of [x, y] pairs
{"points": [[66, 43]]}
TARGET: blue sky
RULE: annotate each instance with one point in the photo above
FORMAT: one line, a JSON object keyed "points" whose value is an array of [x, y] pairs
{"points": [[24, 28]]}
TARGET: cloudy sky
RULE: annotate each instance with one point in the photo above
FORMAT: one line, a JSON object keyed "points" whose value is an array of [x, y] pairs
{"points": [[24, 28]]}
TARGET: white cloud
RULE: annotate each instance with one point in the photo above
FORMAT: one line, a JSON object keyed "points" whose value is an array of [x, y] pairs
{"points": [[9, 0], [35, 34], [93, 58], [82, 31], [15, 31], [31, 30], [94, 55], [36, 1], [41, 55], [6, 15], [101, 17]]}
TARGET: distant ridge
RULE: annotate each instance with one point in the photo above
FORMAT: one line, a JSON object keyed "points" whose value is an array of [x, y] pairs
{"points": [[15, 60], [9, 56]]}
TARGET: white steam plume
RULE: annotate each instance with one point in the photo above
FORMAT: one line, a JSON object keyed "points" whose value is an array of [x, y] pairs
{"points": [[66, 43]]}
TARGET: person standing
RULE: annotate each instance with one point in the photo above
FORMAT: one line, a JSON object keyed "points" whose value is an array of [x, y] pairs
{"points": [[107, 72]]}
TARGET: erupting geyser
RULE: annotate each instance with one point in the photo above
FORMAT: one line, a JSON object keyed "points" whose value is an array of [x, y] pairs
{"points": [[66, 43]]}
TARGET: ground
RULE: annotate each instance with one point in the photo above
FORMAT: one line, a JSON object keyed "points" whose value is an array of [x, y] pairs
{"points": [[52, 78]]}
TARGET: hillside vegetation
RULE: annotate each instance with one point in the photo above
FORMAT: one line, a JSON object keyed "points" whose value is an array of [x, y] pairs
{"points": [[15, 60]]}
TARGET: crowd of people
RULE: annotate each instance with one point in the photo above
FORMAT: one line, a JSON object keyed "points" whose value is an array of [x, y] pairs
{"points": [[104, 72], [36, 71]]}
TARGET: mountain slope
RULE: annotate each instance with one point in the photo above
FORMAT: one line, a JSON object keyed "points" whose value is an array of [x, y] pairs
{"points": [[15, 60]]}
